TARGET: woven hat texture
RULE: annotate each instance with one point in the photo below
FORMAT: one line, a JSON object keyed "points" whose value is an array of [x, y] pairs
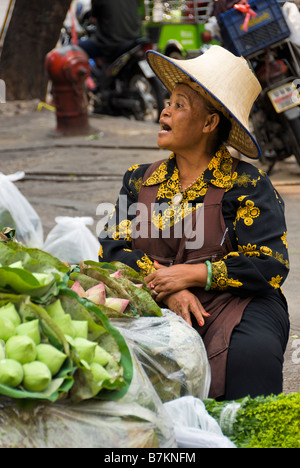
{"points": [[225, 80]]}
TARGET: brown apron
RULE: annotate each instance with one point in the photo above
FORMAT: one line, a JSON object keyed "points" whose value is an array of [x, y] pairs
{"points": [[226, 310]]}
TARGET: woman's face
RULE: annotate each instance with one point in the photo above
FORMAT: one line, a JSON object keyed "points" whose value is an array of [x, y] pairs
{"points": [[182, 121]]}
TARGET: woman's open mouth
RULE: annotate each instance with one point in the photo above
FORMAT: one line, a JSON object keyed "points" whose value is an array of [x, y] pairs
{"points": [[165, 128]]}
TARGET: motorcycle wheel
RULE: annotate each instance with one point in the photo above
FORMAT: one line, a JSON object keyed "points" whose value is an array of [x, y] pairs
{"points": [[152, 94], [294, 136]]}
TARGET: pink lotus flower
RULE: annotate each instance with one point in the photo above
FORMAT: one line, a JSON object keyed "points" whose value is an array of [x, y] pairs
{"points": [[117, 304], [78, 289], [117, 274], [97, 294]]}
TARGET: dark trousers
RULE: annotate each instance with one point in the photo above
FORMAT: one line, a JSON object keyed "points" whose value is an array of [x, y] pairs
{"points": [[257, 346]]}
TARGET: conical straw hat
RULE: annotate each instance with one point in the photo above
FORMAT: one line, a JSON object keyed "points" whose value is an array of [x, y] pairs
{"points": [[222, 78]]}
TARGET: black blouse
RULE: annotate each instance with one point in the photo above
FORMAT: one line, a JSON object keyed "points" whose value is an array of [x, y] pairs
{"points": [[253, 212]]}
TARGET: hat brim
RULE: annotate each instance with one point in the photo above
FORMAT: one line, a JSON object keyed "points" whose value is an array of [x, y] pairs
{"points": [[171, 72]]}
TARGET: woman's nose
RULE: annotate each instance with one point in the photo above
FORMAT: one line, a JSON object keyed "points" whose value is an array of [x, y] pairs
{"points": [[166, 110]]}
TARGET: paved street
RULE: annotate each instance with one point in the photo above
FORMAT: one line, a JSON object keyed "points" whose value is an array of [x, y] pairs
{"points": [[71, 176]]}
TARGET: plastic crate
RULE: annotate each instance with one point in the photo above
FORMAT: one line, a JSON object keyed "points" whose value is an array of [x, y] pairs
{"points": [[267, 27]]}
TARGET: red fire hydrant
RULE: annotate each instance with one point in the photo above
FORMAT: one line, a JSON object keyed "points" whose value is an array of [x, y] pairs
{"points": [[68, 67]]}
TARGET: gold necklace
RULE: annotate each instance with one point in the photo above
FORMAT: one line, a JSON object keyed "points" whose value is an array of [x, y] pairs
{"points": [[178, 197]]}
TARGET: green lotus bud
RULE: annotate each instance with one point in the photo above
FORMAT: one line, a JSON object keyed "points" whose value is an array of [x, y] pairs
{"points": [[7, 329], [102, 357], [9, 311], [37, 376], [99, 373], [85, 348], [21, 348], [2, 350], [11, 372], [17, 265], [70, 340], [52, 357], [65, 324], [55, 309], [43, 278], [30, 329], [81, 328]]}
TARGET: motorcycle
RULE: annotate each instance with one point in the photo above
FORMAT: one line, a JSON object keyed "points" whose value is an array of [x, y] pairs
{"points": [[127, 86], [276, 115], [264, 42], [124, 85]]}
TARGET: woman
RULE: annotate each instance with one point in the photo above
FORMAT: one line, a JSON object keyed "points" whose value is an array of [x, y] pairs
{"points": [[209, 232]]}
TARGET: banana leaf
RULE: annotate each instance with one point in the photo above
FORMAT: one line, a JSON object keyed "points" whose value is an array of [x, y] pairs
{"points": [[63, 381], [40, 275], [107, 336]]}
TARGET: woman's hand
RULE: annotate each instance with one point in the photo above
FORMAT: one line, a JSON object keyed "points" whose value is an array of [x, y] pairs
{"points": [[168, 280], [184, 303]]}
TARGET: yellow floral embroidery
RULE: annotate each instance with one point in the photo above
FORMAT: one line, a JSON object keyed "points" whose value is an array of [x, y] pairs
{"points": [[219, 275], [133, 168], [279, 257], [284, 239], [243, 180], [173, 215], [100, 253], [146, 265], [266, 250], [159, 175], [122, 231], [137, 183], [234, 283], [247, 212], [248, 250], [275, 282], [220, 278], [221, 165]]}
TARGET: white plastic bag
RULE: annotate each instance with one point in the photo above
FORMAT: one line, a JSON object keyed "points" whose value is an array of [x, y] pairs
{"points": [[17, 213], [292, 17], [194, 427], [72, 241]]}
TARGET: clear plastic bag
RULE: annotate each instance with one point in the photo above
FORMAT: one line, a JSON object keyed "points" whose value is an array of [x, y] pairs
{"points": [[172, 354], [194, 427], [138, 420], [72, 241], [17, 213]]}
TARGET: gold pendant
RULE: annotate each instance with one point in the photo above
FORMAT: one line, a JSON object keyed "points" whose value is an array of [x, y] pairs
{"points": [[177, 199]]}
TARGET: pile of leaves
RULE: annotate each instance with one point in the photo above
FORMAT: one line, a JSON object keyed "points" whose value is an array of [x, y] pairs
{"points": [[262, 422], [33, 280]]}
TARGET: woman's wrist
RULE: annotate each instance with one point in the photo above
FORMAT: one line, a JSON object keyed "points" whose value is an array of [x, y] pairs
{"points": [[199, 275]]}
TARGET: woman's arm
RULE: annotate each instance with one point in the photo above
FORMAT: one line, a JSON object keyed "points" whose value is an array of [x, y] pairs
{"points": [[254, 214]]}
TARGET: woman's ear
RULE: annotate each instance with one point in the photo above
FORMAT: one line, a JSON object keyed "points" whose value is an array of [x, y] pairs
{"points": [[211, 123]]}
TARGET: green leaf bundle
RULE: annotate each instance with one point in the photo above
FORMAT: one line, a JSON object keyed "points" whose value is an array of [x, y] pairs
{"points": [[262, 422]]}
